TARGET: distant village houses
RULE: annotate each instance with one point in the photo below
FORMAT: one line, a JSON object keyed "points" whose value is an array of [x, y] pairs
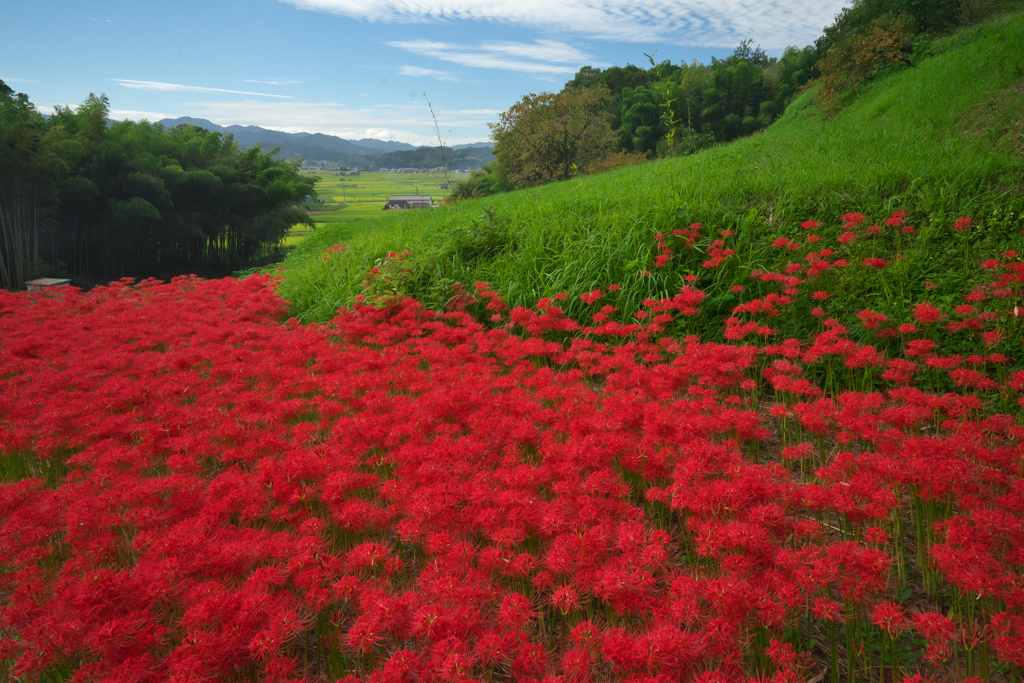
{"points": [[408, 201], [310, 165], [437, 169]]}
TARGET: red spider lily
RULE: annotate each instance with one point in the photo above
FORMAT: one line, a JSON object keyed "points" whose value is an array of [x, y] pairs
{"points": [[852, 219], [1008, 637], [925, 313], [829, 610], [897, 218], [433, 498], [871, 320], [889, 616]]}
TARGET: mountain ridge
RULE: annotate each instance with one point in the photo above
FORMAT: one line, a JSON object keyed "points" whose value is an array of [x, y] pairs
{"points": [[304, 145], [313, 146]]}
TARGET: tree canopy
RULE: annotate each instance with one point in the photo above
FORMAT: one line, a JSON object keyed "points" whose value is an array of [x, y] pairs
{"points": [[83, 197], [552, 136]]}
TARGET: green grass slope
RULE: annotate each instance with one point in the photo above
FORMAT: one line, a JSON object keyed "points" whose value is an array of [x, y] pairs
{"points": [[910, 141]]}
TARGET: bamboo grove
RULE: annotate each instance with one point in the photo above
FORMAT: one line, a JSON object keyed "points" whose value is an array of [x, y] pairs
{"points": [[95, 200]]}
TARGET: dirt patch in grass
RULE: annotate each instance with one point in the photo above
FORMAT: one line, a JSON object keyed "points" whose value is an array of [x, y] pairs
{"points": [[999, 120]]}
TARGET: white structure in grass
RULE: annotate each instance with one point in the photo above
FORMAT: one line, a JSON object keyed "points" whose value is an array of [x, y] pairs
{"points": [[408, 201]]}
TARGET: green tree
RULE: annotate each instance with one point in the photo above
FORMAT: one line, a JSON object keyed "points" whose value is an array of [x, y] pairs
{"points": [[29, 175], [552, 136], [923, 15], [640, 129], [859, 58], [102, 201]]}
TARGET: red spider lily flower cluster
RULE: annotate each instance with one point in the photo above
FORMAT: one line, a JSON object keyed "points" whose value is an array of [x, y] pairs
{"points": [[192, 489], [335, 249]]}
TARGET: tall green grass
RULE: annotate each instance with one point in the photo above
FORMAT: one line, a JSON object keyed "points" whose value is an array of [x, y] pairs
{"points": [[899, 144]]}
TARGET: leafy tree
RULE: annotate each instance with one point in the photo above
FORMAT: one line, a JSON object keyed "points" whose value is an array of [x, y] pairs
{"points": [[552, 136], [640, 129], [754, 56], [29, 171], [616, 79], [98, 201], [859, 58], [697, 100], [922, 16], [743, 86]]}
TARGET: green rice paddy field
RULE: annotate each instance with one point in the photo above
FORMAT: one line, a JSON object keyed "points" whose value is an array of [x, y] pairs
{"points": [[349, 198]]}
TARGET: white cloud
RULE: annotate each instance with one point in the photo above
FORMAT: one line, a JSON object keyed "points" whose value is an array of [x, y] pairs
{"points": [[418, 72], [706, 23], [174, 87], [504, 55], [544, 50], [48, 111], [406, 123], [106, 21], [18, 80], [118, 114], [135, 115], [278, 82]]}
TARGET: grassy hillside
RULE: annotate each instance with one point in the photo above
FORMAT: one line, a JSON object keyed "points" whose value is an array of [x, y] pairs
{"points": [[930, 140]]}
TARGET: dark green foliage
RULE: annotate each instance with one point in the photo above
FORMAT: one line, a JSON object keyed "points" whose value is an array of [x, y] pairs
{"points": [[641, 119], [705, 103], [491, 179], [928, 16], [98, 202]]}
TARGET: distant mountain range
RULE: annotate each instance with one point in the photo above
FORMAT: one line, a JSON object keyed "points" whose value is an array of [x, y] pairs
{"points": [[306, 145], [311, 146]]}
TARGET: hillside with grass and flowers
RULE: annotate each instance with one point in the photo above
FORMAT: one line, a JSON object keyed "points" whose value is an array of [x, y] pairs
{"points": [[930, 140], [750, 415]]}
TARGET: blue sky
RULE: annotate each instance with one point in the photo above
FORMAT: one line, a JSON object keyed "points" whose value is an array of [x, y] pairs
{"points": [[360, 68]]}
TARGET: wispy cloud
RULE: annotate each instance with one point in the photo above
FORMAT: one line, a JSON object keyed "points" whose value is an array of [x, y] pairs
{"points": [[543, 50], [17, 80], [501, 55], [708, 23], [418, 72], [174, 87], [278, 82], [407, 123], [102, 21]]}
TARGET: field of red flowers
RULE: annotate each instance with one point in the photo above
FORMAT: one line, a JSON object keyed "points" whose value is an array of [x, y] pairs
{"points": [[193, 491]]}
